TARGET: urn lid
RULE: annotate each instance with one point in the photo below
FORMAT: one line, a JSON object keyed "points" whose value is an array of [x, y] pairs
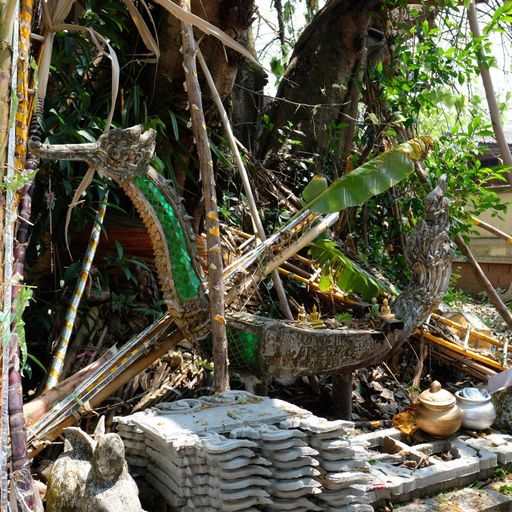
{"points": [[473, 395], [436, 396]]}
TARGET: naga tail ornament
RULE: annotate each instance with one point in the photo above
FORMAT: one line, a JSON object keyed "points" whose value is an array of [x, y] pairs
{"points": [[124, 155]]}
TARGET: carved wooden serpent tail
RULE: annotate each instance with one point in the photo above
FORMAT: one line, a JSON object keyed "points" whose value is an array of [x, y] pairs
{"points": [[124, 156]]}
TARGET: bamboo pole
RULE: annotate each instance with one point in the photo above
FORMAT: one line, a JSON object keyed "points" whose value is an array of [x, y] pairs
{"points": [[460, 350], [9, 43], [7, 18], [126, 376], [461, 362], [278, 284], [7, 10], [491, 229], [59, 356], [212, 225], [294, 248], [494, 298], [290, 251], [462, 329], [43, 403], [494, 110]]}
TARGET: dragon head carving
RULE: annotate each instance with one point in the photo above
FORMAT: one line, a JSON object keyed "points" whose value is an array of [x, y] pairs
{"points": [[124, 153]]}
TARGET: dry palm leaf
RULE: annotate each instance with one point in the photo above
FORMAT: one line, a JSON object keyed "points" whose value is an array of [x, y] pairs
{"points": [[206, 27], [147, 37]]}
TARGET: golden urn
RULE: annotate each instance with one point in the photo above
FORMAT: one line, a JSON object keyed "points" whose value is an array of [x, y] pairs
{"points": [[437, 412]]}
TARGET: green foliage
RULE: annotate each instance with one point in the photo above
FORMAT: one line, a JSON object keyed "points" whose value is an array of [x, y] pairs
{"points": [[506, 489], [344, 317], [17, 181], [456, 298], [339, 270], [502, 15], [278, 66], [124, 263], [19, 305], [370, 179], [315, 187], [205, 365], [456, 156], [500, 473], [428, 88]]}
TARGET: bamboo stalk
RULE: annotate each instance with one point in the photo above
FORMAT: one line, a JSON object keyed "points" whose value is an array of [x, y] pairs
{"points": [[170, 341], [461, 363], [278, 284], [462, 329], [290, 251], [491, 229], [310, 235], [472, 367], [212, 225], [41, 405], [87, 389], [494, 110], [7, 11], [7, 22], [494, 298], [460, 350], [59, 356], [21, 478]]}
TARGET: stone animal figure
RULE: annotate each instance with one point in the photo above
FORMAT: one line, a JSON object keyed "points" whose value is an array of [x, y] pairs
{"points": [[91, 475]]}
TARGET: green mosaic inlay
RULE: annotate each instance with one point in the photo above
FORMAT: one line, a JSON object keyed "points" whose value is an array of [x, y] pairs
{"points": [[186, 281], [242, 346]]}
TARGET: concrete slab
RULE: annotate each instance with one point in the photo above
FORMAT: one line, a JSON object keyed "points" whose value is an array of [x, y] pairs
{"points": [[496, 442]]}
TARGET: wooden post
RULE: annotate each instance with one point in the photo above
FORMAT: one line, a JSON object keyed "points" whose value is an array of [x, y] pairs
{"points": [[212, 225], [494, 298], [342, 395]]}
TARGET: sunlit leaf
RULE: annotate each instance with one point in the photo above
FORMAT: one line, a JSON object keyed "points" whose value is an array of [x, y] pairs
{"points": [[370, 179], [314, 188]]}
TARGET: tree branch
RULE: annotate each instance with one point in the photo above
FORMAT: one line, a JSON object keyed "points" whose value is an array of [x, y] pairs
{"points": [[212, 225]]}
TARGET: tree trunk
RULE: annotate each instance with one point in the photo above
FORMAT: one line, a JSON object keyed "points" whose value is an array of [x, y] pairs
{"points": [[317, 82], [232, 16]]}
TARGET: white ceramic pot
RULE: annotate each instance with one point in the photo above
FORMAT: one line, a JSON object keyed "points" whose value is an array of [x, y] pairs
{"points": [[477, 409]]}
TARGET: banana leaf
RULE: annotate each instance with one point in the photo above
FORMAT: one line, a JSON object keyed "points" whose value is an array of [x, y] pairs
{"points": [[347, 275], [372, 178]]}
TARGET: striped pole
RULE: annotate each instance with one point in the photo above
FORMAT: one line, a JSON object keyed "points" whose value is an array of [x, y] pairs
{"points": [[60, 353]]}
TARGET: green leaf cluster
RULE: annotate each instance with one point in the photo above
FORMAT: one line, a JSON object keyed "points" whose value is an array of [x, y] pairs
{"points": [[339, 270]]}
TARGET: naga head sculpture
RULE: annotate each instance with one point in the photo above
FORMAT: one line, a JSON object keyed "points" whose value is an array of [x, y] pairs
{"points": [[125, 153], [119, 154]]}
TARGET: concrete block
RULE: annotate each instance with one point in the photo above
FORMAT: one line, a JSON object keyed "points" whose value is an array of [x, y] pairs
{"points": [[496, 442]]}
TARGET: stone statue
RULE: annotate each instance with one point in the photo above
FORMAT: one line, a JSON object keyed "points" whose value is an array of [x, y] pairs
{"points": [[375, 309], [302, 317], [314, 319], [91, 475], [385, 311]]}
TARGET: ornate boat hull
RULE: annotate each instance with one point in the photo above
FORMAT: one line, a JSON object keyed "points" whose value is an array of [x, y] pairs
{"points": [[282, 348]]}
